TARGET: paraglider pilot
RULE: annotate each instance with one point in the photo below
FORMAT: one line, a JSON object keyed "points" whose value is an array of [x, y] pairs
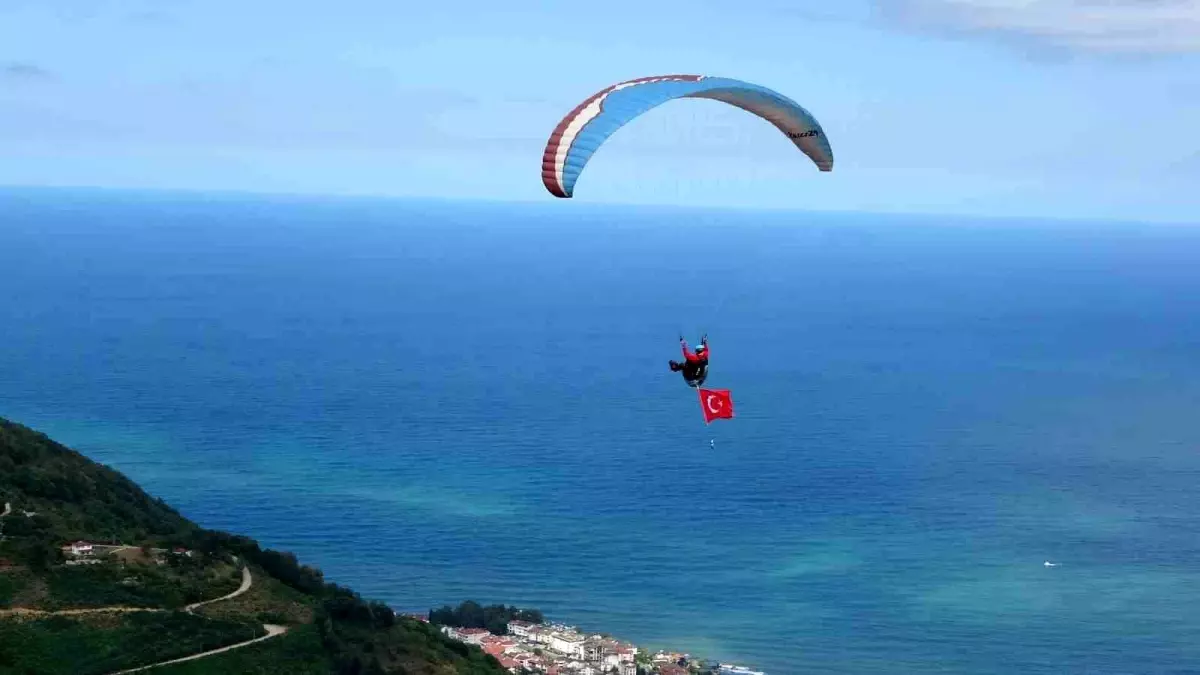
{"points": [[695, 364]]}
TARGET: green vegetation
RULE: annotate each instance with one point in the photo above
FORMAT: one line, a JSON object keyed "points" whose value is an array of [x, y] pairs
{"points": [[494, 618], [268, 600], [10, 583], [408, 647], [331, 629], [405, 646], [101, 644], [75, 498], [135, 585], [300, 652]]}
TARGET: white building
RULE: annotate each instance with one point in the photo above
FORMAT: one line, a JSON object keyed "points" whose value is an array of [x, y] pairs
{"points": [[570, 644], [627, 653], [79, 548], [539, 635], [594, 650], [519, 628]]}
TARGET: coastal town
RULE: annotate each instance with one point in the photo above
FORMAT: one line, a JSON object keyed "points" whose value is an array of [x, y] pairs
{"points": [[557, 649], [522, 647]]}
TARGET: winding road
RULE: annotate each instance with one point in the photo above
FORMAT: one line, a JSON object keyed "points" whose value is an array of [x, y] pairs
{"points": [[272, 631], [24, 611], [247, 582]]}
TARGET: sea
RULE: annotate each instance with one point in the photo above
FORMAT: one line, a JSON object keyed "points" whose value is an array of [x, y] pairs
{"points": [[436, 401]]}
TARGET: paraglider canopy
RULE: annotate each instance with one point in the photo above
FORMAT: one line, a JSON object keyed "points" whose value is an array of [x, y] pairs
{"points": [[583, 130]]}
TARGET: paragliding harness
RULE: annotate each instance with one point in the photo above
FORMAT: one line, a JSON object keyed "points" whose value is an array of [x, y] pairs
{"points": [[694, 372], [714, 403]]}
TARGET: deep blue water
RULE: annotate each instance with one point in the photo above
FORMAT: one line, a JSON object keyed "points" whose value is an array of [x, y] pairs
{"points": [[435, 402]]}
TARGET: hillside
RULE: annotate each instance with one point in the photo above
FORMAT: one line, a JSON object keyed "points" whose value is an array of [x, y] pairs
{"points": [[143, 585]]}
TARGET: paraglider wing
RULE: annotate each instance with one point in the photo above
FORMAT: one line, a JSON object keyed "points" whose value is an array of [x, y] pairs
{"points": [[584, 129]]}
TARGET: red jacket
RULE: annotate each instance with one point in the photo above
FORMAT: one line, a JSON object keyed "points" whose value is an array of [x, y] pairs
{"points": [[692, 356]]}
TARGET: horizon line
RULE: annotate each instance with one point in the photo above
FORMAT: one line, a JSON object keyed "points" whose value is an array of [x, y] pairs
{"points": [[384, 197]]}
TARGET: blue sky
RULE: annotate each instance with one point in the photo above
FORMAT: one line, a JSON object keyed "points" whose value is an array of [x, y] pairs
{"points": [[1060, 108]]}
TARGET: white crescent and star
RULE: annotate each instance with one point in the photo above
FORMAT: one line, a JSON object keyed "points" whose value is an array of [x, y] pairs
{"points": [[709, 402]]}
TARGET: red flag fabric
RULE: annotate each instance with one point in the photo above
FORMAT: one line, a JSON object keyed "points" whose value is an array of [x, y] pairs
{"points": [[716, 404]]}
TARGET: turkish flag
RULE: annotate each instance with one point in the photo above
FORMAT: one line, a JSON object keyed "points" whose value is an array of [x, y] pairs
{"points": [[716, 404]]}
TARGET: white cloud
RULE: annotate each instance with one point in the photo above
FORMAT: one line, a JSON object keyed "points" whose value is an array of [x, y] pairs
{"points": [[1144, 27]]}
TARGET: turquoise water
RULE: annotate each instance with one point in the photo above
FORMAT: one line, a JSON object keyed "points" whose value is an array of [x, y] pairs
{"points": [[435, 402]]}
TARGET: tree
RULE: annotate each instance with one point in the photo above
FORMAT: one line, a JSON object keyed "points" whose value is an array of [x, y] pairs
{"points": [[494, 618], [40, 555]]}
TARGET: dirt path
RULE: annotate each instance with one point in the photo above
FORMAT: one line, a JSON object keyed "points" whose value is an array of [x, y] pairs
{"points": [[247, 582], [272, 631], [24, 611]]}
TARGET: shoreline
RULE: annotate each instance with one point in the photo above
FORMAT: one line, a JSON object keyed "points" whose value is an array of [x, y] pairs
{"points": [[552, 648]]}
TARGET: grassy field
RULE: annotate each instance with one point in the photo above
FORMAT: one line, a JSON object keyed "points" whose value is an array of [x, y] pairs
{"points": [[104, 643], [268, 600], [297, 653], [116, 584]]}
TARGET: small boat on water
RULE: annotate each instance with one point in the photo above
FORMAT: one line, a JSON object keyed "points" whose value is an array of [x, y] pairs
{"points": [[727, 669]]}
